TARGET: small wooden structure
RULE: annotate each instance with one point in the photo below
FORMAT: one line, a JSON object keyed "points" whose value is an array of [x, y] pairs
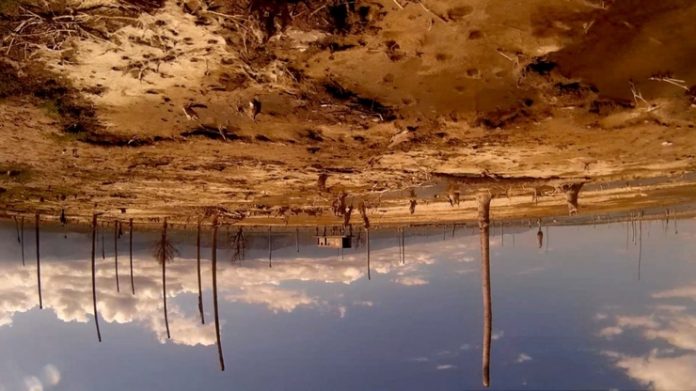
{"points": [[338, 237], [334, 241]]}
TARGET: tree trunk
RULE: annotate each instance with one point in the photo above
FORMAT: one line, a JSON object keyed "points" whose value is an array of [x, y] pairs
{"points": [[367, 235], [118, 285], [94, 280], [198, 269], [130, 252], [38, 261], [484, 203], [164, 277], [270, 248], [22, 237], [215, 296]]}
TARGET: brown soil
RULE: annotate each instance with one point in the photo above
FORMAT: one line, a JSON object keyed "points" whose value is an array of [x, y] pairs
{"points": [[191, 108]]}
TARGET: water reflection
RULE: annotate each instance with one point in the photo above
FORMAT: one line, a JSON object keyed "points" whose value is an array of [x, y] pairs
{"points": [[575, 308]]}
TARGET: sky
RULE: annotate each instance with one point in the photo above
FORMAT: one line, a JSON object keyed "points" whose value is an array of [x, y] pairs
{"points": [[572, 314]]}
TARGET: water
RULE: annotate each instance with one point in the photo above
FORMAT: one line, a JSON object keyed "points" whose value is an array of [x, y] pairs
{"points": [[594, 307]]}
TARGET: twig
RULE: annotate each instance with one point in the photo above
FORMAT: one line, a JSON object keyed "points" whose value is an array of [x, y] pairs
{"points": [[428, 10]]}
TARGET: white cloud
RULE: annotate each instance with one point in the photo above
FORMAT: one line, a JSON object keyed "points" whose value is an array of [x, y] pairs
{"points": [[32, 383], [523, 357], [609, 332], [444, 367], [411, 281], [51, 375]]}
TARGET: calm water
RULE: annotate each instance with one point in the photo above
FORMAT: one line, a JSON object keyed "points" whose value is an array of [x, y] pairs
{"points": [[574, 313]]}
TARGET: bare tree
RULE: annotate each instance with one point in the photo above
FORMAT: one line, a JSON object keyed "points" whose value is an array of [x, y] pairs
{"points": [[367, 238], [164, 253], [270, 248], [484, 204], [21, 231], [572, 190], [94, 280], [238, 245], [198, 270], [118, 285], [215, 295], [130, 251], [38, 260]]}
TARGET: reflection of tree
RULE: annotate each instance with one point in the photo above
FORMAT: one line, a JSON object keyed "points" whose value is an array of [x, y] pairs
{"points": [[198, 270], [94, 281], [164, 252], [540, 235], [572, 190], [118, 286], [38, 260], [238, 245], [484, 204], [130, 251], [215, 294], [21, 228]]}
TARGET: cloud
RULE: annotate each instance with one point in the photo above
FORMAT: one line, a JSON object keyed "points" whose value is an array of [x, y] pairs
{"points": [[609, 332], [523, 357], [32, 383], [670, 368], [67, 285], [661, 373], [444, 367], [411, 281], [51, 375]]}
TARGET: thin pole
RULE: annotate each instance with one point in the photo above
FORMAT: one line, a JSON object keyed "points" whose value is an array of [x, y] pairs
{"points": [[215, 296], [94, 281], [22, 237], [198, 269], [164, 277], [367, 234], [118, 286], [38, 261], [102, 243], [130, 251], [640, 244]]}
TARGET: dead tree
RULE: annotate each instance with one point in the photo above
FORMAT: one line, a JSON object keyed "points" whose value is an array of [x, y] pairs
{"points": [[484, 204], [94, 280], [38, 261], [198, 270], [118, 285], [130, 251], [164, 253], [572, 190], [215, 295]]}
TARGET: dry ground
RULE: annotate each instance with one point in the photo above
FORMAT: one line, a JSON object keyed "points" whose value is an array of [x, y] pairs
{"points": [[190, 108]]}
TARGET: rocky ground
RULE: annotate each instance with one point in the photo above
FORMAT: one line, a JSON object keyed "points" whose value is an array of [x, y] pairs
{"points": [[294, 111]]}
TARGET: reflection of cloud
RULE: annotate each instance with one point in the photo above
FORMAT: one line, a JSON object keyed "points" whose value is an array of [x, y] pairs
{"points": [[497, 335], [611, 331], [523, 357], [67, 289], [444, 367], [32, 383], [685, 292], [661, 373], [411, 281], [274, 298], [51, 375], [671, 368]]}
